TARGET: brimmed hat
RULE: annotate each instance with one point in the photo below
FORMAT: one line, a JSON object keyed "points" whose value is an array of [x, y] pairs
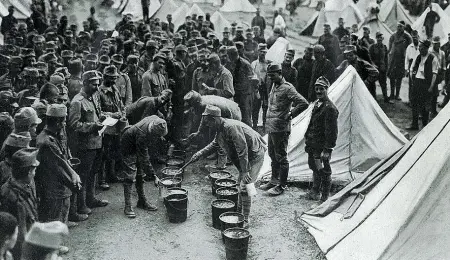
{"points": [[132, 59], [349, 48], [56, 110], [47, 235], [212, 111], [25, 117], [322, 81], [91, 75], [436, 39], [25, 157], [378, 34], [274, 68], [27, 52], [56, 79], [158, 126], [290, 52], [117, 58], [67, 54], [426, 43], [111, 71], [226, 30], [18, 140], [104, 59], [192, 97]]}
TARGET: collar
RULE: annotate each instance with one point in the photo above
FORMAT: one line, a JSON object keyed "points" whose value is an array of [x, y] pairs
{"points": [[85, 95], [281, 83], [106, 89], [50, 132]]}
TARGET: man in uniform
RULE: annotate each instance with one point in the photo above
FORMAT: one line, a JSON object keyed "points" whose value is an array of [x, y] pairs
{"points": [[134, 144], [223, 79], [202, 74], [289, 72], [320, 139], [75, 83], [259, 67], [55, 174], [321, 66], [250, 46], [226, 37], [330, 43], [281, 99], [341, 31], [243, 145], [304, 68], [134, 73], [379, 56], [153, 81], [84, 124], [239, 35], [259, 21], [151, 47], [148, 106], [123, 82]]}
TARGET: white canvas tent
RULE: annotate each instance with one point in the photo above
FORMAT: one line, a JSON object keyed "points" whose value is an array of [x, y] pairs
{"points": [[366, 135], [396, 210], [134, 8], [22, 11], [195, 9], [365, 5], [333, 10], [219, 22], [167, 7], [441, 29], [179, 15], [237, 6], [392, 11], [375, 25]]}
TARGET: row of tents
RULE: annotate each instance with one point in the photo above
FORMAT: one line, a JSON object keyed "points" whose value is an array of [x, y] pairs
{"points": [[398, 207]]}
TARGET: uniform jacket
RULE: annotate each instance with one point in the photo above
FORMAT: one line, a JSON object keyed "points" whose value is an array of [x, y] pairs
{"points": [[123, 84], [200, 77], [322, 131], [289, 73], [365, 70], [153, 83], [223, 83], [320, 68], [136, 85], [111, 105], [378, 54], [281, 98], [74, 86], [304, 69], [331, 44], [397, 50], [84, 113], [143, 107], [242, 73]]}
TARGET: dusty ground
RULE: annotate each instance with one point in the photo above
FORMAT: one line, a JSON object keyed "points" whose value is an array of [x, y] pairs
{"points": [[108, 234]]}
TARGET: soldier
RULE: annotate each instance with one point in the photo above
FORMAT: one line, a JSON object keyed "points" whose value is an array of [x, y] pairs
{"points": [[9, 228], [320, 139], [242, 74], [195, 63], [321, 66], [111, 106], [366, 41], [66, 56], [29, 94], [202, 74], [55, 174], [13, 143], [289, 72], [250, 46], [223, 79], [84, 124], [239, 35], [341, 31], [330, 43], [26, 120], [153, 81], [304, 68], [281, 98], [148, 106], [259, 21], [134, 73], [259, 67], [258, 36], [134, 144], [28, 57], [151, 47], [226, 37], [18, 194], [103, 62], [123, 82], [75, 83], [243, 145], [15, 67], [379, 55]]}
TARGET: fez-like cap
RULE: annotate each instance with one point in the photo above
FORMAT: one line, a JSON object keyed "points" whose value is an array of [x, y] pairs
{"points": [[212, 111], [56, 110], [110, 71], [21, 140], [104, 59], [158, 126], [290, 52], [350, 48], [25, 157], [117, 58], [192, 97], [436, 39], [274, 68], [67, 54], [132, 59], [25, 117], [91, 75], [322, 81], [48, 235]]}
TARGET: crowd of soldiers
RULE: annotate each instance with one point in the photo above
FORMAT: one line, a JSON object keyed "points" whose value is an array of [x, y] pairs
{"points": [[130, 93]]}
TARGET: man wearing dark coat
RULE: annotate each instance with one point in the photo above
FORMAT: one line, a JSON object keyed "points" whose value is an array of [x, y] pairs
{"points": [[321, 67]]}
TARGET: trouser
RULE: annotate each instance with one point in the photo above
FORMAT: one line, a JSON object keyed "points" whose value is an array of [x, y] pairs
{"points": [[257, 104], [277, 144], [321, 173], [110, 157], [133, 173], [372, 87], [244, 102], [88, 168], [420, 100], [56, 209], [396, 84], [411, 86], [429, 29], [382, 79], [145, 12]]}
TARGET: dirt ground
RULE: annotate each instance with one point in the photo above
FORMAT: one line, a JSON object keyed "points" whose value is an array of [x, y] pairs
{"points": [[108, 234]]}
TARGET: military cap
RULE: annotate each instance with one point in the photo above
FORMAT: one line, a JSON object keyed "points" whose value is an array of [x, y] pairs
{"points": [[350, 48], [277, 30], [322, 81], [366, 28], [25, 157], [104, 59], [51, 58], [169, 15], [232, 49], [84, 35], [195, 32], [212, 111], [188, 22], [177, 36], [41, 66], [105, 42], [57, 79], [16, 60], [239, 29], [6, 96], [426, 43], [290, 52], [110, 71], [91, 57], [226, 30], [401, 23], [234, 24], [262, 47], [436, 39], [38, 39], [47, 235], [151, 44], [200, 41], [378, 34], [203, 53], [68, 33], [160, 55], [132, 59], [158, 126], [164, 40], [31, 72], [129, 43], [223, 49], [211, 35], [40, 108], [239, 45], [63, 91], [67, 54], [25, 117], [326, 25], [213, 58], [206, 23], [56, 110], [192, 49], [249, 31], [192, 97], [255, 27], [27, 52], [345, 39], [190, 42], [274, 68], [181, 47], [91, 75], [21, 140], [117, 58], [50, 45]]}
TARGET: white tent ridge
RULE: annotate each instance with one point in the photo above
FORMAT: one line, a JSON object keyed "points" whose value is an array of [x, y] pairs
{"points": [[195, 9], [441, 29], [179, 15], [391, 12], [366, 135], [237, 6], [220, 22], [402, 205], [375, 25], [167, 7]]}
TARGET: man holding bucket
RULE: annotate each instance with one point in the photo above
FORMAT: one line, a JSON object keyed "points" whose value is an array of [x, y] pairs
{"points": [[245, 148], [134, 145]]}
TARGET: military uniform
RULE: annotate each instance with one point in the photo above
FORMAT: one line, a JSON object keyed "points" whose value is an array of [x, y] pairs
{"points": [[74, 85], [242, 73], [153, 83], [200, 77]]}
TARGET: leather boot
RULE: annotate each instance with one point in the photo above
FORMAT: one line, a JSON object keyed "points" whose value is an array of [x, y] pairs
{"points": [[128, 210], [81, 200], [326, 186], [313, 194], [74, 216], [142, 200]]}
